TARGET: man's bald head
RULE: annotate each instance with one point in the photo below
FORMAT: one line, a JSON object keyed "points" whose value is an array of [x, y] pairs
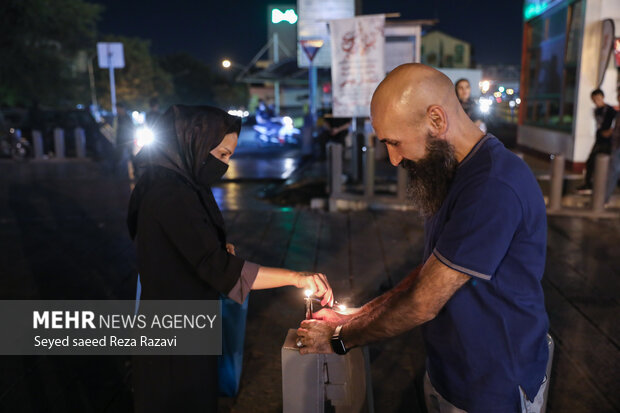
{"points": [[410, 89], [417, 114]]}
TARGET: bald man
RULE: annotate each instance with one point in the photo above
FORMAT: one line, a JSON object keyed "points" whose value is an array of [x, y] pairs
{"points": [[478, 295]]}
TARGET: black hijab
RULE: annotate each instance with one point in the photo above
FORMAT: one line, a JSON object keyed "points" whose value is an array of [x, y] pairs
{"points": [[184, 138]]}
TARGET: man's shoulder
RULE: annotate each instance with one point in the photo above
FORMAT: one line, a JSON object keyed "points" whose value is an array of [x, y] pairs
{"points": [[498, 167]]}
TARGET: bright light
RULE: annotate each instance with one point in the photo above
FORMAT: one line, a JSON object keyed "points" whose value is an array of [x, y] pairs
{"points": [[137, 117], [510, 91], [288, 16], [512, 104], [308, 293], [485, 105], [501, 89], [484, 86], [518, 100], [287, 121], [226, 63], [144, 136], [499, 100], [240, 113], [497, 94], [342, 307]]}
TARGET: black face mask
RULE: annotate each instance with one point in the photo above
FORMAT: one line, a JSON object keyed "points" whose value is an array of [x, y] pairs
{"points": [[211, 171]]}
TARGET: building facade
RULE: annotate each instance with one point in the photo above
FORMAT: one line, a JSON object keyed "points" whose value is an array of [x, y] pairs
{"points": [[442, 50], [560, 68]]}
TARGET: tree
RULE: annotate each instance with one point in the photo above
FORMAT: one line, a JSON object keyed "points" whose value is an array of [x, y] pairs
{"points": [[141, 79], [40, 41]]}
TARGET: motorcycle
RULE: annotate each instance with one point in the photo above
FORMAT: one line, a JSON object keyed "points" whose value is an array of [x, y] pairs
{"points": [[13, 145], [278, 130]]}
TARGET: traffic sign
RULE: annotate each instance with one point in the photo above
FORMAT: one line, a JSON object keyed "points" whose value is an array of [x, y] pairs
{"points": [[110, 55]]}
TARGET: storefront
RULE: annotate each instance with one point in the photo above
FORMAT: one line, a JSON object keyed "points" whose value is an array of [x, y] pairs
{"points": [[560, 68]]}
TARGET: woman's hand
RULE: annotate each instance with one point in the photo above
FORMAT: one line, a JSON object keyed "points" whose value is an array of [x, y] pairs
{"points": [[318, 284], [230, 248], [331, 317]]}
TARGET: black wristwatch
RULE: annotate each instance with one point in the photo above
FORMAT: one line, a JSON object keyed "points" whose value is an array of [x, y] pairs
{"points": [[337, 343]]}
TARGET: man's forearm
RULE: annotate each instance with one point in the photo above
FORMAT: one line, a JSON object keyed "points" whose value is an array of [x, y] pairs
{"points": [[405, 284], [417, 301]]}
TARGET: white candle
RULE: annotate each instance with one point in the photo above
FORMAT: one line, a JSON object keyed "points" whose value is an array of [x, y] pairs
{"points": [[308, 301]]}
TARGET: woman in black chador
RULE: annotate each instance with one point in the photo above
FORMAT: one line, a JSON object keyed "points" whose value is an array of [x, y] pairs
{"points": [[182, 251]]}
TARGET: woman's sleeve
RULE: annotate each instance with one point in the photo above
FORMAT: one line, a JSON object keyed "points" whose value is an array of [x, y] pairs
{"points": [[242, 287], [186, 224]]}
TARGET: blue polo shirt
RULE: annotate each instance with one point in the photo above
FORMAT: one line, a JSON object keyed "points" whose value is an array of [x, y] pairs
{"points": [[490, 337]]}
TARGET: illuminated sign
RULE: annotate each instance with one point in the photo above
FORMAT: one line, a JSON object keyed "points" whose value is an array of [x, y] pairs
{"points": [[533, 8], [277, 16]]}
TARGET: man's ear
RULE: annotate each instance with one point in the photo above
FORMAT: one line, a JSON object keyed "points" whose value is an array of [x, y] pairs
{"points": [[437, 120]]}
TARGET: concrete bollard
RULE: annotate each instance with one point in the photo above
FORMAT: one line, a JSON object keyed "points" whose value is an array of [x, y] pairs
{"points": [[334, 152], [309, 381], [37, 144], [80, 143], [59, 143], [600, 182], [557, 181]]}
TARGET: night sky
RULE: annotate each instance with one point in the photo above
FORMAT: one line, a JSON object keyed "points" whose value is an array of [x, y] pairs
{"points": [[237, 29]]}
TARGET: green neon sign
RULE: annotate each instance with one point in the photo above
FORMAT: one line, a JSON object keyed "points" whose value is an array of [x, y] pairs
{"points": [[277, 16]]}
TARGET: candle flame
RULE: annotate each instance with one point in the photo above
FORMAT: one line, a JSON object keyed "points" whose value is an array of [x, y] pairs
{"points": [[342, 307], [308, 293]]}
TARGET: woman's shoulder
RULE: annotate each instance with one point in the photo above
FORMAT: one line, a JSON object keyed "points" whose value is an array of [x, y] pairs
{"points": [[166, 188]]}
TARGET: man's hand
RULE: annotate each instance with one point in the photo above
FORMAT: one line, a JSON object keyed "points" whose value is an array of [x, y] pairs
{"points": [[331, 317], [315, 337], [318, 284]]}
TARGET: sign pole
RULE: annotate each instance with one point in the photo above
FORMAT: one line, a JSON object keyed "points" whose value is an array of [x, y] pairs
{"points": [[311, 48], [276, 85], [312, 90], [112, 84]]}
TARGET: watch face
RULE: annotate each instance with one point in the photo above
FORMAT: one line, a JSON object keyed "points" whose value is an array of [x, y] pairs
{"points": [[338, 346]]}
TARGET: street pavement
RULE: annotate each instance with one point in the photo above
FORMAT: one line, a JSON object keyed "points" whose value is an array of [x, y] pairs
{"points": [[63, 236]]}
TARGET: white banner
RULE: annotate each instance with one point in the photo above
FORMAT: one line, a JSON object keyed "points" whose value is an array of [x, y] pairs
{"points": [[358, 63]]}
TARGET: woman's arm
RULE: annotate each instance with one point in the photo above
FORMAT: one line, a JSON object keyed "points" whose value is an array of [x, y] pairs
{"points": [[269, 277]]}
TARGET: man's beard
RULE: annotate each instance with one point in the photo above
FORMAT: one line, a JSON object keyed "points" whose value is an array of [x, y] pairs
{"points": [[431, 176]]}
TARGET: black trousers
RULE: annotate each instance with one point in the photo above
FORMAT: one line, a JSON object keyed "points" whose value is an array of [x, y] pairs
{"points": [[598, 148], [175, 384]]}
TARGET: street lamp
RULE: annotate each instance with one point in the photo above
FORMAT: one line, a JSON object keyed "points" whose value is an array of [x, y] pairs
{"points": [[226, 64]]}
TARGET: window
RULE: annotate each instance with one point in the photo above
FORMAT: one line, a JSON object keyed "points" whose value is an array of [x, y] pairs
{"points": [[459, 51], [550, 71]]}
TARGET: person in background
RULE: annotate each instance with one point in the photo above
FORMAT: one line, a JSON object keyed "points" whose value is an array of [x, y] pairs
{"points": [[124, 137], [604, 115], [153, 114], [334, 130], [463, 92]]}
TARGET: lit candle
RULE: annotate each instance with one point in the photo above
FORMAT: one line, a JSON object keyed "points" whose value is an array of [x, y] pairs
{"points": [[308, 301]]}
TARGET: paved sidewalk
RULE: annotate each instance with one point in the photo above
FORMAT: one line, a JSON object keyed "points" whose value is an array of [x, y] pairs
{"points": [[63, 235]]}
